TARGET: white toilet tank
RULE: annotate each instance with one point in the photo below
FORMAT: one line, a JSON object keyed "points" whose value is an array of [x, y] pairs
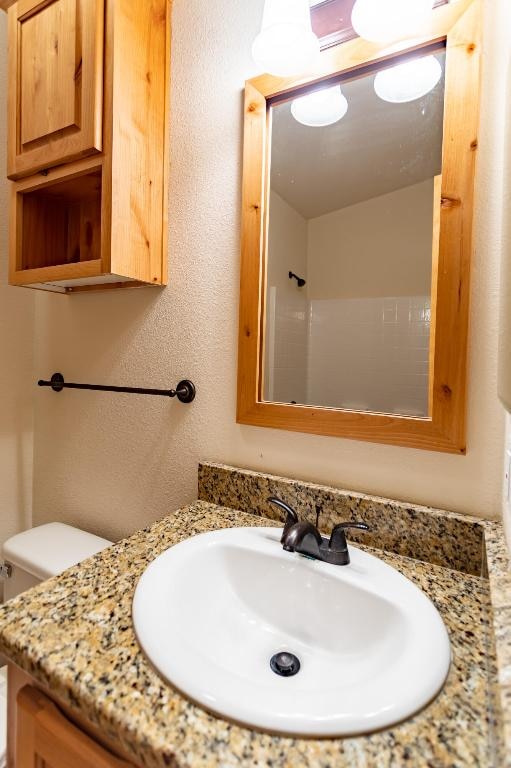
{"points": [[45, 551]]}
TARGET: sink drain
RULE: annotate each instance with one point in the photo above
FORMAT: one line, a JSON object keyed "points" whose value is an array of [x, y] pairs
{"points": [[285, 664]]}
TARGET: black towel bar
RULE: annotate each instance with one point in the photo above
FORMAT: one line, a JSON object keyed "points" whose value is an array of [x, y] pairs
{"points": [[185, 390]]}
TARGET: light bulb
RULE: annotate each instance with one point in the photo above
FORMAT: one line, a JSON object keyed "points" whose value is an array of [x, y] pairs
{"points": [[408, 81], [286, 45], [382, 21], [320, 108]]}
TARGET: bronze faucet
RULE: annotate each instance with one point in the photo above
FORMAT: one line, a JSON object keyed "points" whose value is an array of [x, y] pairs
{"points": [[304, 537]]}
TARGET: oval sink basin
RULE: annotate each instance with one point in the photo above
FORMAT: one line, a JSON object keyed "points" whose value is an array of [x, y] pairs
{"points": [[279, 642]]}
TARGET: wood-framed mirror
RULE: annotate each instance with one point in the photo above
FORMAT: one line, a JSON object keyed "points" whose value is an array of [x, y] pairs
{"points": [[356, 240]]}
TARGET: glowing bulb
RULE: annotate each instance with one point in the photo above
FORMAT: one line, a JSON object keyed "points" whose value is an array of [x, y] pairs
{"points": [[286, 45], [320, 108], [381, 21], [408, 81]]}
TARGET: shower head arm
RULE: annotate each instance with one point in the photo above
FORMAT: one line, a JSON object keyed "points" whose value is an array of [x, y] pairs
{"points": [[301, 282]]}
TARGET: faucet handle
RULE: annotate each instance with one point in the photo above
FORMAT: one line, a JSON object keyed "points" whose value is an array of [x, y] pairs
{"points": [[338, 537], [291, 516]]}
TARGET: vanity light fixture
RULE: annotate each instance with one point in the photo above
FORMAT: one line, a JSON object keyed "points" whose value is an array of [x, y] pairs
{"points": [[382, 21], [286, 45], [320, 108], [408, 81]]}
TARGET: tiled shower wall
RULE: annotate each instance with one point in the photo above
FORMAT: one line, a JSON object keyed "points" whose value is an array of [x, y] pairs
{"points": [[286, 378], [360, 354], [370, 354]]}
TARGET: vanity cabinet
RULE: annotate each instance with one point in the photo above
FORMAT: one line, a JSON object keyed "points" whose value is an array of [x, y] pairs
{"points": [[55, 83], [42, 733], [87, 143], [46, 739]]}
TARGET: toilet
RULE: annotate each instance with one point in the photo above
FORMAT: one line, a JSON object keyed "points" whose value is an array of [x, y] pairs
{"points": [[32, 557]]}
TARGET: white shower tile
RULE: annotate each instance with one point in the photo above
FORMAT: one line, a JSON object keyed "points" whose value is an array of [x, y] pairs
{"points": [[364, 350]]}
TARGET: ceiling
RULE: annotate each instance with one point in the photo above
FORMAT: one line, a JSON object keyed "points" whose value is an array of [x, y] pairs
{"points": [[376, 148]]}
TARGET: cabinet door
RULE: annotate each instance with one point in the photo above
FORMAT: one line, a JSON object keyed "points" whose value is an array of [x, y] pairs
{"points": [[46, 739], [55, 82]]}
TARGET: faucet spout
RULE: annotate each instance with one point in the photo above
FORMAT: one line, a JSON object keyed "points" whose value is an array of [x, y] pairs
{"points": [[303, 538]]}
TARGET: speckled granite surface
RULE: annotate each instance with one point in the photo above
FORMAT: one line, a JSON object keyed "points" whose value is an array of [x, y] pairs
{"points": [[499, 577], [74, 634], [436, 536]]}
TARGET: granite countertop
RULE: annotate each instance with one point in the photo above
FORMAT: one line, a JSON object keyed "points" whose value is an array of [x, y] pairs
{"points": [[74, 635]]}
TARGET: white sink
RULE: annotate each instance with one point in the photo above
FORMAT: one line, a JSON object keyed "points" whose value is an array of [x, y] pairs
{"points": [[212, 611]]}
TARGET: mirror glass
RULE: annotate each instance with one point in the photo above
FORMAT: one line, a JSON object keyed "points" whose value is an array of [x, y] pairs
{"points": [[352, 238]]}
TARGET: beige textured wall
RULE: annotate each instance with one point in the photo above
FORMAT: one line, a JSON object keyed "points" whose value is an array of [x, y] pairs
{"points": [[112, 463], [381, 247], [505, 310], [16, 355], [287, 245]]}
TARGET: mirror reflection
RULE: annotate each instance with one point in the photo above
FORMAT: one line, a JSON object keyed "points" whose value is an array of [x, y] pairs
{"points": [[353, 224]]}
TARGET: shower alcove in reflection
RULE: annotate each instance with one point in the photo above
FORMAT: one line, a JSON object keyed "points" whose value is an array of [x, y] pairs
{"points": [[354, 210]]}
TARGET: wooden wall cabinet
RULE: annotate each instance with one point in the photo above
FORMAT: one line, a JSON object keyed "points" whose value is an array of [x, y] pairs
{"points": [[87, 145], [55, 83]]}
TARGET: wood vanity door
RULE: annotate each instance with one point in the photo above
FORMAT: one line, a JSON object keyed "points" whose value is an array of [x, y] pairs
{"points": [[46, 739], [55, 82]]}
